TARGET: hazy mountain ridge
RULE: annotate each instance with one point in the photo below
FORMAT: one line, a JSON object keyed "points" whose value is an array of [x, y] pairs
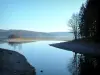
{"points": [[33, 34], [61, 33], [22, 33]]}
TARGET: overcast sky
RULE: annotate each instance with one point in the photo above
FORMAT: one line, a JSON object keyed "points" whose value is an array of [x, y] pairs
{"points": [[37, 15]]}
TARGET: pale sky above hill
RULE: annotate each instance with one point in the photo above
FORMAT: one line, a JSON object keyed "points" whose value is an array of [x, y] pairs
{"points": [[37, 15]]}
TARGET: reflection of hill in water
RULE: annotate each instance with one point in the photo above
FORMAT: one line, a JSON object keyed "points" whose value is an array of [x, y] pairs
{"points": [[85, 65], [15, 45]]}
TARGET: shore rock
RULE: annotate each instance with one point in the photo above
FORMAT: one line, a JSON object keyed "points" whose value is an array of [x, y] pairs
{"points": [[13, 63]]}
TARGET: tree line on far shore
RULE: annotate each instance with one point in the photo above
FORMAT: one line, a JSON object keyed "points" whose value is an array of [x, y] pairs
{"points": [[85, 24]]}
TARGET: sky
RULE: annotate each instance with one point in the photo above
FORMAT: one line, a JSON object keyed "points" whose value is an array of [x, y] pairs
{"points": [[38, 15]]}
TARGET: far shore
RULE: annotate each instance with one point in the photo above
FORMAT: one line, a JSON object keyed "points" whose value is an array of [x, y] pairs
{"points": [[32, 39]]}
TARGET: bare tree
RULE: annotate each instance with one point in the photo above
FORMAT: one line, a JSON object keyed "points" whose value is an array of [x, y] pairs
{"points": [[74, 24]]}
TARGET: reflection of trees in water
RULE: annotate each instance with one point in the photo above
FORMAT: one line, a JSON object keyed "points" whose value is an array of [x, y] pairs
{"points": [[74, 64], [85, 65], [15, 45]]}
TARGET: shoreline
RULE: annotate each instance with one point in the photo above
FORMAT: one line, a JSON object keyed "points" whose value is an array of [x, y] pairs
{"points": [[14, 63], [32, 39], [78, 46]]}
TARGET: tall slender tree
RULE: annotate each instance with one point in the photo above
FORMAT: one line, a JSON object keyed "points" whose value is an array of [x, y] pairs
{"points": [[74, 24], [81, 21]]}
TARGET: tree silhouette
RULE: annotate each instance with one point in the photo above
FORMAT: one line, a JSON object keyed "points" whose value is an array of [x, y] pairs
{"points": [[89, 22], [81, 22], [13, 36]]}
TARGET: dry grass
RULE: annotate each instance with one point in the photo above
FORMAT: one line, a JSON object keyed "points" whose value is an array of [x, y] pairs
{"points": [[34, 39]]}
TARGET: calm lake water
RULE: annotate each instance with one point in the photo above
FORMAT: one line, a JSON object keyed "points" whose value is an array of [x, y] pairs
{"points": [[53, 61]]}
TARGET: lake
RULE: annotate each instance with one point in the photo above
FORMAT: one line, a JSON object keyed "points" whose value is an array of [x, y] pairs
{"points": [[51, 60]]}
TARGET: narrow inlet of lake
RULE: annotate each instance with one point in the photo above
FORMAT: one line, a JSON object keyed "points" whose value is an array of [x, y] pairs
{"points": [[46, 59]]}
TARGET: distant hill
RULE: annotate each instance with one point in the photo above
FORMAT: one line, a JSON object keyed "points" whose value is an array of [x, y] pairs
{"points": [[33, 34], [61, 33], [22, 33], [65, 35]]}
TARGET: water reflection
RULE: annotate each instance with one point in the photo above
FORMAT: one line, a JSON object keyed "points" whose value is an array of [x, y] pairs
{"points": [[16, 45], [82, 64]]}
